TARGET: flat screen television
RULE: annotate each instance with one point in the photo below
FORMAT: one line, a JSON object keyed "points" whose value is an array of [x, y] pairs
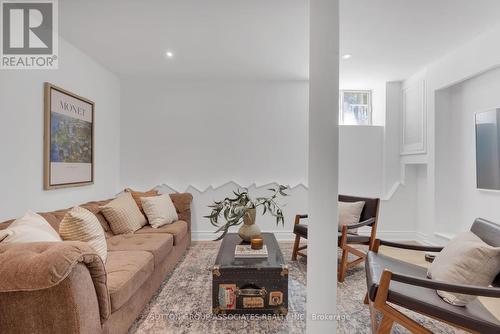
{"points": [[488, 150]]}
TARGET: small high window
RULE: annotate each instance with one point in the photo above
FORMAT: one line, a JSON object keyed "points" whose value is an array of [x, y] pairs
{"points": [[355, 107]]}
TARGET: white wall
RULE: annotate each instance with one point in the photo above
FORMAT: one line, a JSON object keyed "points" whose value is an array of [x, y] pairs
{"points": [[458, 201], [360, 160], [21, 133], [204, 133], [437, 217], [197, 136]]}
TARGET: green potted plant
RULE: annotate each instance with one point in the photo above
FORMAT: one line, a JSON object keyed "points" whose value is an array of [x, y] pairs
{"points": [[233, 211]]}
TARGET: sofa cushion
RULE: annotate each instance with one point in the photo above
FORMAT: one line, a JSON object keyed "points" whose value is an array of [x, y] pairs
{"points": [[29, 228], [80, 224], [95, 208], [178, 229], [137, 195], [126, 273], [159, 245], [123, 214], [160, 210]]}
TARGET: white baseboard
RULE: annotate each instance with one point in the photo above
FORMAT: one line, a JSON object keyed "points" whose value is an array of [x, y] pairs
{"points": [[209, 235], [289, 236], [434, 239], [393, 235]]}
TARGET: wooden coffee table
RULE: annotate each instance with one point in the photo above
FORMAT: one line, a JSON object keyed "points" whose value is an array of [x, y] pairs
{"points": [[249, 285]]}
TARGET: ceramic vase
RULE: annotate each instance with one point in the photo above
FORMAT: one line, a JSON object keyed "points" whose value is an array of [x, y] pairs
{"points": [[249, 229]]}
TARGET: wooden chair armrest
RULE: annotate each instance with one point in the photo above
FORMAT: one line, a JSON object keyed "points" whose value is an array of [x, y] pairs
{"points": [[367, 222]]}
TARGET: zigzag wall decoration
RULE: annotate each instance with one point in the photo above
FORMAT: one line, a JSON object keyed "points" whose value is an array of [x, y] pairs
{"points": [[293, 204], [236, 184]]}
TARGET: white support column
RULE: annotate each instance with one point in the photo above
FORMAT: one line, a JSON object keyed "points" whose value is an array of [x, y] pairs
{"points": [[323, 166]]}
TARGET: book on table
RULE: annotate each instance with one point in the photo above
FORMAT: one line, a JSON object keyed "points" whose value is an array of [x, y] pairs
{"points": [[246, 251]]}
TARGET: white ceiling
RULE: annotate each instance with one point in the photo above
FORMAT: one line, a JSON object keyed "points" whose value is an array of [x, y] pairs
{"points": [[268, 39], [392, 39], [210, 38]]}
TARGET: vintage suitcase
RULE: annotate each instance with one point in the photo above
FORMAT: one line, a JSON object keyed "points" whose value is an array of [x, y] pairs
{"points": [[249, 285]]}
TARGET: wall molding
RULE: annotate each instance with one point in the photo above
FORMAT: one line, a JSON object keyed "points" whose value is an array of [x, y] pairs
{"points": [[414, 92], [389, 194]]}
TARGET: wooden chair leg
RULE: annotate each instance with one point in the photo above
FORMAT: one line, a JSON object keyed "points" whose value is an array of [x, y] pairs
{"points": [[405, 321], [296, 247], [373, 317], [366, 299], [343, 265], [385, 325]]}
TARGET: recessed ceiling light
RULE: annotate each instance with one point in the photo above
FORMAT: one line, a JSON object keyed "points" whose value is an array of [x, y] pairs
{"points": [[347, 56], [169, 54]]}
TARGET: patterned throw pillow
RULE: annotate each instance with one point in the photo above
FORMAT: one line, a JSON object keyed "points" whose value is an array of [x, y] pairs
{"points": [[160, 210], [80, 224], [137, 195], [123, 214]]}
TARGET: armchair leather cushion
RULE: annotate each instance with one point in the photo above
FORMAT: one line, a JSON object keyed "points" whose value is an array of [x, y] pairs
{"points": [[300, 229], [465, 260], [473, 316]]}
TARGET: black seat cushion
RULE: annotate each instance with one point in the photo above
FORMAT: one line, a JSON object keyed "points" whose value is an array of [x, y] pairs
{"points": [[300, 229], [426, 301]]}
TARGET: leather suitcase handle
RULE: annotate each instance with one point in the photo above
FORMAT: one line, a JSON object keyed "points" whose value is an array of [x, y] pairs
{"points": [[248, 292]]}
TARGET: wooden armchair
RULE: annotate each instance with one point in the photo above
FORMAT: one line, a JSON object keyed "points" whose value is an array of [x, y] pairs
{"points": [[346, 240], [391, 281]]}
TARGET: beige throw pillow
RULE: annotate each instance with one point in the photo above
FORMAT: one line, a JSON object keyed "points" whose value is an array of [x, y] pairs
{"points": [[30, 228], [350, 213], [123, 214], [80, 224], [465, 260], [137, 195], [160, 210]]}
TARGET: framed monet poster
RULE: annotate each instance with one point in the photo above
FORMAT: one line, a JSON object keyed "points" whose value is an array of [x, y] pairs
{"points": [[68, 139]]}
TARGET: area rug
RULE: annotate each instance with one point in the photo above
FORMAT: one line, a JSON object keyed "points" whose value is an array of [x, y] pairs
{"points": [[183, 302]]}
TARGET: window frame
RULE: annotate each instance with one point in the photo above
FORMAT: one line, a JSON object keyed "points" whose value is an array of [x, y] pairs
{"points": [[370, 105]]}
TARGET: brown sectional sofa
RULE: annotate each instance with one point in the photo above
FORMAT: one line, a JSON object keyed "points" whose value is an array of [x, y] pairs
{"points": [[64, 287]]}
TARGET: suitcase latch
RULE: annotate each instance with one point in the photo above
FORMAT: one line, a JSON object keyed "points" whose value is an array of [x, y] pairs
{"points": [[216, 271], [284, 270]]}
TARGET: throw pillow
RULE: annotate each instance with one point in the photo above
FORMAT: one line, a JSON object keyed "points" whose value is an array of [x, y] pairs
{"points": [[137, 195], [160, 210], [30, 228], [123, 214], [465, 260], [80, 224], [350, 213]]}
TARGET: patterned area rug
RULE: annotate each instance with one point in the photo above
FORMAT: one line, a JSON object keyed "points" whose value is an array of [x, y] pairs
{"points": [[183, 302]]}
